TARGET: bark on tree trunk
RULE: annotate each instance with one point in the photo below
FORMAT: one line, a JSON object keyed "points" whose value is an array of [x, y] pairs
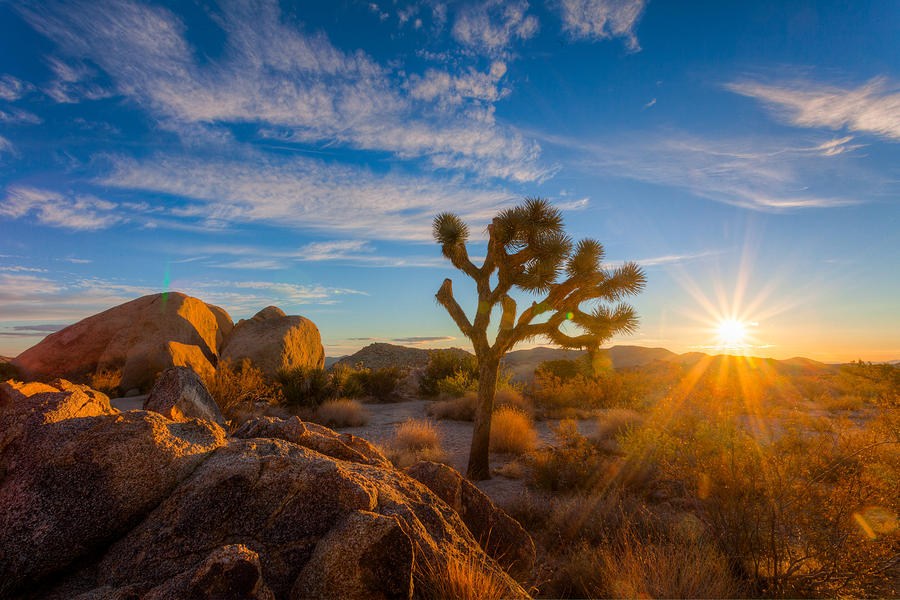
{"points": [[479, 454]]}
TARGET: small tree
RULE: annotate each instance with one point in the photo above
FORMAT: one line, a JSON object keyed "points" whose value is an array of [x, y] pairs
{"points": [[528, 249]]}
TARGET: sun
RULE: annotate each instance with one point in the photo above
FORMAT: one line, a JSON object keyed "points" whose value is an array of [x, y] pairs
{"points": [[732, 332]]}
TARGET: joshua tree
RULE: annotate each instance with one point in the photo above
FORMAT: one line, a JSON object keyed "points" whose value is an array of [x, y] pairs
{"points": [[529, 250]]}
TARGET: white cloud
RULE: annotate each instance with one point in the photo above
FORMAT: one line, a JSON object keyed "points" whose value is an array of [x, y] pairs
{"points": [[273, 74], [80, 212], [755, 173], [602, 19], [6, 146], [491, 26], [73, 82], [13, 88], [21, 269], [873, 107], [17, 115], [304, 193], [454, 89]]}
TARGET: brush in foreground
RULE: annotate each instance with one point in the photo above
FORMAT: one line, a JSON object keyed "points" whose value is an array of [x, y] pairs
{"points": [[342, 413], [512, 432]]}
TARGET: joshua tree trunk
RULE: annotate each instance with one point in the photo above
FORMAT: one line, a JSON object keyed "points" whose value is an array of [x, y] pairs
{"points": [[478, 469]]}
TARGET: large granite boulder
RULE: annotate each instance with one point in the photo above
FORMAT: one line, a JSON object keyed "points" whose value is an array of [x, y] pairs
{"points": [[99, 504], [77, 474], [273, 341], [500, 535], [179, 394], [135, 338]]}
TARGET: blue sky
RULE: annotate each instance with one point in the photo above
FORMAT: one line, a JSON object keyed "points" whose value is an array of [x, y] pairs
{"points": [[256, 153]]}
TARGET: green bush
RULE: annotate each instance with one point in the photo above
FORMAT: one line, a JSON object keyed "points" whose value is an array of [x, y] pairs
{"points": [[381, 384], [305, 386], [360, 382], [460, 370]]}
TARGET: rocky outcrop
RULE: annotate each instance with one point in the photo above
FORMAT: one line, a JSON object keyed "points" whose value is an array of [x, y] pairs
{"points": [[79, 474], [500, 535], [273, 341], [100, 504], [316, 437], [179, 394], [140, 338]]}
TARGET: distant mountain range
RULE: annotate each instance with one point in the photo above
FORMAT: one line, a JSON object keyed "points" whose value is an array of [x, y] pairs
{"points": [[522, 363]]}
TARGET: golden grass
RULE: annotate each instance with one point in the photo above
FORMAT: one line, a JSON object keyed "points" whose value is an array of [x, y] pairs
{"points": [[455, 409], [415, 440], [237, 390], [107, 381], [468, 577], [615, 421], [512, 432], [513, 399], [342, 413]]}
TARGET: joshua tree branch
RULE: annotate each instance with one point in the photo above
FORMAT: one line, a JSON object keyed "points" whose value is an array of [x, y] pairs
{"points": [[445, 298]]}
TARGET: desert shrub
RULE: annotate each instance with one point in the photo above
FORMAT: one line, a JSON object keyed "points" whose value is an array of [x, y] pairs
{"points": [[9, 371], [562, 369], [381, 384], [633, 567], [457, 384], [461, 577], [447, 364], [787, 511], [239, 388], [456, 409], [511, 398], [414, 440], [616, 421], [107, 381], [512, 431], [305, 386], [342, 412], [361, 382]]}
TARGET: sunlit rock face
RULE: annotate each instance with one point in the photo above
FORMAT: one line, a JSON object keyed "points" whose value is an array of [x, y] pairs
{"points": [[102, 504], [273, 341], [138, 338]]}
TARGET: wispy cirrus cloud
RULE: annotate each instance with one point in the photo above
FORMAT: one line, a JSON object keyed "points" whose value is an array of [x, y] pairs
{"points": [[872, 108], [757, 173], [489, 27], [302, 192], [76, 212], [6, 146], [13, 88], [273, 74], [602, 19]]}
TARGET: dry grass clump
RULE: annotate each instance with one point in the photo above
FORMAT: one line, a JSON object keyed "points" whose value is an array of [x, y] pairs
{"points": [[632, 567], [237, 389], [616, 421], [455, 409], [415, 440], [512, 432], [342, 413], [467, 577], [107, 381], [513, 399]]}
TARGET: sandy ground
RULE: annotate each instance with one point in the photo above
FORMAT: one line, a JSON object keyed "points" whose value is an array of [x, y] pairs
{"points": [[456, 437], [133, 403]]}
